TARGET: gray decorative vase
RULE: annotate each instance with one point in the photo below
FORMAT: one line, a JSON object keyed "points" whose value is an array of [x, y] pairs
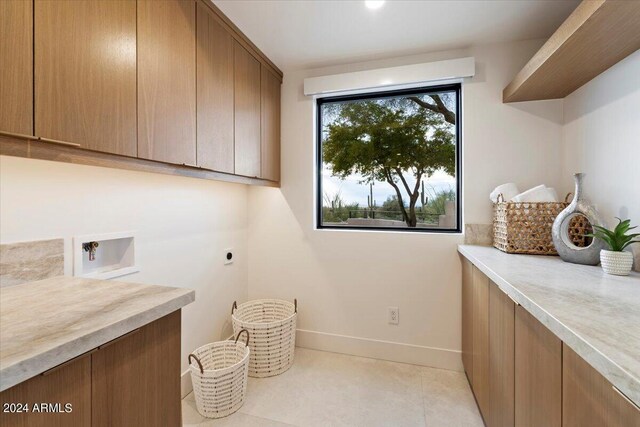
{"points": [[589, 255]]}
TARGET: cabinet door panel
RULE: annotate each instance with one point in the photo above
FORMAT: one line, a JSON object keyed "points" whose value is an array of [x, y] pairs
{"points": [[538, 373], [136, 379], [215, 93], [16, 72], [501, 358], [167, 81], [481, 340], [467, 317], [247, 112], [270, 126], [85, 73], [589, 400], [68, 384]]}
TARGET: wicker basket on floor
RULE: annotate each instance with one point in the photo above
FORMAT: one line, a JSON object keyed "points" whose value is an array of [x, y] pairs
{"points": [[219, 376], [525, 228], [272, 324]]}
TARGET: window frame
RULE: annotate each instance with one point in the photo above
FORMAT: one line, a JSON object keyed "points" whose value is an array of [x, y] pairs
{"points": [[421, 90]]}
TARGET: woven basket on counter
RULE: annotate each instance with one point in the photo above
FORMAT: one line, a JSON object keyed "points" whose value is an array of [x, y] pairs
{"points": [[525, 228]]}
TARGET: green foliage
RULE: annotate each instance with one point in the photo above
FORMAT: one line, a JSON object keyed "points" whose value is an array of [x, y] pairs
{"points": [[617, 239], [437, 199], [334, 208]]}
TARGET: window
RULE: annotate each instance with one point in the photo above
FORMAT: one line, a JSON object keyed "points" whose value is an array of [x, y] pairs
{"points": [[390, 160]]}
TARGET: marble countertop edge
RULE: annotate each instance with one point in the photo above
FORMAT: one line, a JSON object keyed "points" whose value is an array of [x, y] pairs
{"points": [[16, 373], [625, 381]]}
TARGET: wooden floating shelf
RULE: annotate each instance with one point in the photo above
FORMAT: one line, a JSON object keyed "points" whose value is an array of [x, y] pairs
{"points": [[597, 35]]}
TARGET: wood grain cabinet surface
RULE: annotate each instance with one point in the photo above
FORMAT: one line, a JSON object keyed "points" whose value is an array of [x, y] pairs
{"points": [[215, 104], [85, 73], [270, 125], [136, 378], [16, 72], [538, 373], [501, 358], [467, 318], [167, 81], [69, 383], [481, 341], [589, 400], [247, 112]]}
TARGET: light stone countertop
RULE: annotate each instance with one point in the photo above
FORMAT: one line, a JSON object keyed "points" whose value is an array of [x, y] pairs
{"points": [[48, 322], [596, 314]]}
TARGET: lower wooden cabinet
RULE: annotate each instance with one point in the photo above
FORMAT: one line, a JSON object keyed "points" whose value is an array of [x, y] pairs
{"points": [[133, 380], [501, 358], [538, 373], [60, 397], [481, 341], [467, 318], [589, 400]]}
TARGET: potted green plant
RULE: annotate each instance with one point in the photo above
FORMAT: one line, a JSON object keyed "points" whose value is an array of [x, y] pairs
{"points": [[616, 261]]}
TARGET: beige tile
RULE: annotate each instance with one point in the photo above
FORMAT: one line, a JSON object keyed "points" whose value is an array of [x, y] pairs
{"points": [[448, 401], [327, 389], [191, 417], [478, 234]]}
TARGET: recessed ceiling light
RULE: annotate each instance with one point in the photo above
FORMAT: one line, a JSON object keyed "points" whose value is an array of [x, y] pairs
{"points": [[374, 4]]}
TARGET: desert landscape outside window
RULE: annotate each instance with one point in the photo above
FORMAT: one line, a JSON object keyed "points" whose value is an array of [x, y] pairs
{"points": [[390, 160]]}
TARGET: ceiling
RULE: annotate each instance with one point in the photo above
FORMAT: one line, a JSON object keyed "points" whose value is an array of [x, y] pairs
{"points": [[298, 34]]}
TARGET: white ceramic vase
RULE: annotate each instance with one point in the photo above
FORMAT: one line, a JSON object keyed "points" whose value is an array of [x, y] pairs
{"points": [[618, 263]]}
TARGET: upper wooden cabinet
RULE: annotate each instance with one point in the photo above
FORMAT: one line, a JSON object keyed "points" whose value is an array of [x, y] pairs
{"points": [[215, 93], [270, 125], [167, 81], [85, 73], [247, 112], [16, 71]]}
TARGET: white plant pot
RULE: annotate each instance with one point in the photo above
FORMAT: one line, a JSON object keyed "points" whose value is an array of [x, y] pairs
{"points": [[618, 263]]}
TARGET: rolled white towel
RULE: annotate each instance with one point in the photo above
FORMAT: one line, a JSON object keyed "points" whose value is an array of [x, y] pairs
{"points": [[536, 194], [508, 191]]}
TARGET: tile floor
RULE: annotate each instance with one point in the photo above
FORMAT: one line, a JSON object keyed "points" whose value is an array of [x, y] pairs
{"points": [[328, 389]]}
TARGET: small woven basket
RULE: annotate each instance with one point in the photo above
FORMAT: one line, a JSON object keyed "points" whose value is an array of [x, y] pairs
{"points": [[272, 324], [525, 228], [219, 376]]}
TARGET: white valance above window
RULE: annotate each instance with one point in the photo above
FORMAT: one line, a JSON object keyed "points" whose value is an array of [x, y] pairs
{"points": [[394, 77]]}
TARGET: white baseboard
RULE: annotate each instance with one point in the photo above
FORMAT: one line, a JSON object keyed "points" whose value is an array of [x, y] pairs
{"points": [[185, 383], [377, 349]]}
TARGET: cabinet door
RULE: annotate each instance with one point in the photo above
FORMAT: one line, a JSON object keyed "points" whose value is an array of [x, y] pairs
{"points": [[215, 93], [270, 125], [589, 400], [167, 81], [538, 373], [481, 340], [136, 378], [16, 72], [69, 383], [467, 318], [85, 73], [501, 358], [247, 112]]}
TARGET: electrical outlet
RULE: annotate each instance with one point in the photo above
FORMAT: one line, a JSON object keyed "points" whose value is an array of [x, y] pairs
{"points": [[394, 315], [228, 256]]}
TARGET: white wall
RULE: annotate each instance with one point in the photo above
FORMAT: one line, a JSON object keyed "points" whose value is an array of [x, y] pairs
{"points": [[601, 137], [183, 224], [344, 280]]}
